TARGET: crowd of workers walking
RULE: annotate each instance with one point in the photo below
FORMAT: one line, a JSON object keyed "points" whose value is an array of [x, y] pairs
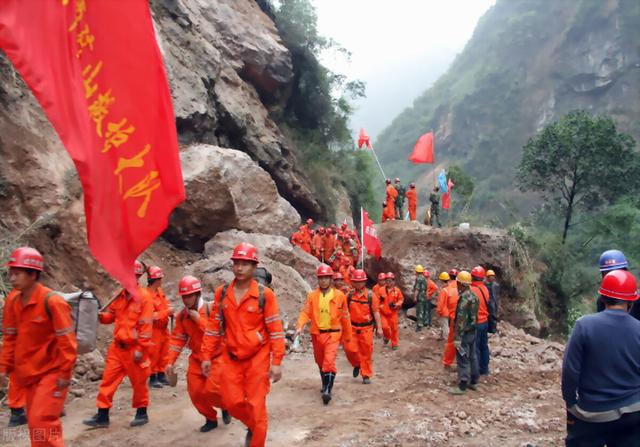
{"points": [[237, 343]]}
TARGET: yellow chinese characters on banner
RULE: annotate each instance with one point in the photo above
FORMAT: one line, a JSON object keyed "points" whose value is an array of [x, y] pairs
{"points": [[133, 180]]}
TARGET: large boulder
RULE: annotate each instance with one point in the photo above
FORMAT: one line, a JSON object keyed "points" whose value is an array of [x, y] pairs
{"points": [[226, 189], [406, 244]]}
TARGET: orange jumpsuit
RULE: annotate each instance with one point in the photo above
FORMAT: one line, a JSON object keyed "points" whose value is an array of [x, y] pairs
{"points": [[390, 210], [432, 288], [204, 392], [389, 315], [250, 342], [160, 333], [412, 200], [329, 245], [481, 291], [317, 246], [346, 269], [326, 341], [380, 290], [360, 350], [39, 347], [16, 394], [451, 304], [133, 318]]}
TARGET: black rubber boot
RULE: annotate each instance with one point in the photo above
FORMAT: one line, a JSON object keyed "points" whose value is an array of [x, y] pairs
{"points": [[366, 381], [247, 439], [324, 381], [162, 378], [98, 420], [356, 371], [226, 417], [140, 418], [18, 417], [154, 382], [326, 393], [208, 426]]}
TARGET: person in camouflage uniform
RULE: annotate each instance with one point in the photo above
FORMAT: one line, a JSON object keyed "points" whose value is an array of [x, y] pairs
{"points": [[465, 336], [400, 199], [420, 298], [434, 198]]}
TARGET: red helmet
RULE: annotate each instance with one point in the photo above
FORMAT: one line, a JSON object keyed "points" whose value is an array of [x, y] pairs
{"points": [[387, 181], [138, 268], [426, 274], [391, 275], [321, 230], [324, 270], [155, 272], [337, 276], [453, 273], [397, 180], [344, 226], [478, 272], [26, 258], [309, 221], [188, 285], [619, 284], [382, 276], [358, 275], [245, 252], [412, 185]]}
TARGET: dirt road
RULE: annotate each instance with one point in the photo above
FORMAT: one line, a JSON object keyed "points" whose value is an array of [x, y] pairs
{"points": [[406, 405]]}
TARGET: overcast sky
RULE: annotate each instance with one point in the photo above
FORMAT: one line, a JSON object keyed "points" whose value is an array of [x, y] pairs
{"points": [[399, 48]]}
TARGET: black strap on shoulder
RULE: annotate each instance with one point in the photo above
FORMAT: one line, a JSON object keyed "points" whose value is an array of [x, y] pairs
{"points": [[46, 303]]}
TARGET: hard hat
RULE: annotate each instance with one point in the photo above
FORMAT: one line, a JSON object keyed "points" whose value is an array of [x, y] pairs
{"points": [[391, 275], [309, 221], [324, 270], [321, 230], [138, 268], [397, 180], [245, 252], [337, 276], [26, 258], [453, 273], [619, 284], [464, 277], [358, 275], [444, 276], [478, 272], [344, 225], [382, 276], [491, 273], [188, 285], [412, 185], [426, 273], [155, 272], [387, 181], [419, 269], [613, 260]]}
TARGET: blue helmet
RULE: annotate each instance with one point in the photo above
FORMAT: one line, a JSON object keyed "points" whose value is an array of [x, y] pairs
{"points": [[612, 260]]}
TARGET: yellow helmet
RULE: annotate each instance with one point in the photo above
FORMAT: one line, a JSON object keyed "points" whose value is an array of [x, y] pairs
{"points": [[491, 273], [419, 268], [444, 276], [464, 277]]}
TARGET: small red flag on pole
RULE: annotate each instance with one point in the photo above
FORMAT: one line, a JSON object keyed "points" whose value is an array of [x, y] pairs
{"points": [[363, 139], [370, 238], [423, 150], [97, 72], [446, 197]]}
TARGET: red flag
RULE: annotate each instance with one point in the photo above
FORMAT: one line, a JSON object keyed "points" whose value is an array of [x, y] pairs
{"points": [[423, 150], [370, 236], [446, 197], [97, 72], [364, 139]]}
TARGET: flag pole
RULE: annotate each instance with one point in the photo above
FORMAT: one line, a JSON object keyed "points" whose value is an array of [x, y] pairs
{"points": [[378, 161], [362, 238]]}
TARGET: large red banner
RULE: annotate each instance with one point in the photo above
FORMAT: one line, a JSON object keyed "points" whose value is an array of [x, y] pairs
{"points": [[97, 72], [370, 236]]}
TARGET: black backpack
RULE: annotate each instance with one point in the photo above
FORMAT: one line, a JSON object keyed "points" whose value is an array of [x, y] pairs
{"points": [[369, 302]]}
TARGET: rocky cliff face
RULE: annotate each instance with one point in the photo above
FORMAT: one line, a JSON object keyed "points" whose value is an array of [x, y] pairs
{"points": [[528, 63]]}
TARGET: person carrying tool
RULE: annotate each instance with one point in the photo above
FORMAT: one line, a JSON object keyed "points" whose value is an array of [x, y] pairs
{"points": [[128, 354], [365, 320], [189, 329], [389, 308], [327, 310], [40, 347], [465, 335]]}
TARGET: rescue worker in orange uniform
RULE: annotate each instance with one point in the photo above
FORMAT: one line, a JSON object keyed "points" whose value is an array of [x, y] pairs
{"points": [[365, 319], [129, 353], [191, 323], [302, 238], [328, 245], [452, 303], [478, 275], [39, 348], [412, 200], [389, 307], [317, 244], [442, 307], [392, 193], [326, 308], [338, 283], [162, 311], [380, 287], [346, 267], [16, 396], [246, 329]]}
